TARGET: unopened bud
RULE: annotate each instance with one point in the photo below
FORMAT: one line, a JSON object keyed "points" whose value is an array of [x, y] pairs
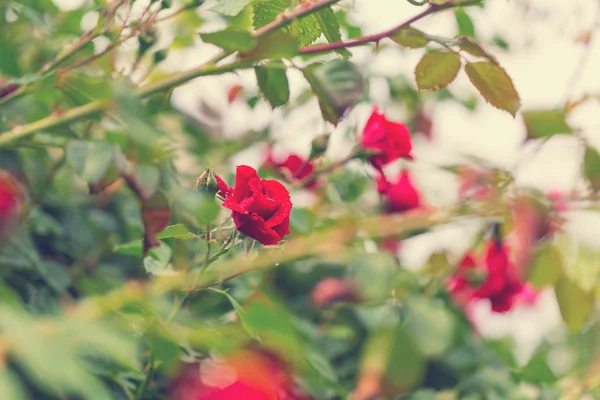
{"points": [[319, 146], [159, 56], [207, 182]]}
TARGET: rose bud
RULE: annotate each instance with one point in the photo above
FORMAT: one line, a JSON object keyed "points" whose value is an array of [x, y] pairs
{"points": [[400, 196], [390, 139]]}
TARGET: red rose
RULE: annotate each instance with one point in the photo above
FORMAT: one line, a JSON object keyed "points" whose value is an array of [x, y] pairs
{"points": [[243, 375], [260, 207], [400, 196], [293, 167], [391, 139], [460, 285], [11, 202]]}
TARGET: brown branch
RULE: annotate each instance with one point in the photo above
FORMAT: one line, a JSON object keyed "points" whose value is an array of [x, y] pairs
{"points": [[375, 38]]}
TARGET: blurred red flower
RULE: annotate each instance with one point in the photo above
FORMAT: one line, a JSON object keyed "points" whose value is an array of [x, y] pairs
{"points": [[293, 167], [500, 285], [11, 202], [400, 196], [391, 139], [242, 375]]}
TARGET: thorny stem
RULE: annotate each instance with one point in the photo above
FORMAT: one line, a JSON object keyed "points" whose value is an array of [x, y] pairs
{"points": [[375, 38]]}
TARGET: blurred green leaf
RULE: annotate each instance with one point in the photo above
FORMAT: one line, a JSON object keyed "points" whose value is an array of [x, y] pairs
{"points": [[230, 39], [575, 304], [8, 59], [10, 385], [390, 357], [437, 69], [241, 313], [157, 260], [302, 220], [90, 160], [544, 123], [230, 8], [469, 45], [495, 85], [537, 370], [273, 83], [429, 324], [374, 273], [546, 266], [464, 22], [338, 85], [592, 167]]}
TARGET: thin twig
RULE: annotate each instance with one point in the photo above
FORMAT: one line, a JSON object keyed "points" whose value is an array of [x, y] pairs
{"points": [[375, 38]]}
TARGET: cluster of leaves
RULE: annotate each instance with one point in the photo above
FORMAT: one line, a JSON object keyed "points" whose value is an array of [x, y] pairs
{"points": [[103, 286]]}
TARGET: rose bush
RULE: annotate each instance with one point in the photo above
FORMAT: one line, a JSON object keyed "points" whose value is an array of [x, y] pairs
{"points": [[374, 259]]}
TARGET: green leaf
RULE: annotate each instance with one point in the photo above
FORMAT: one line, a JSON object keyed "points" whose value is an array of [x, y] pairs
{"points": [[157, 260], [241, 313], [230, 8], [429, 324], [575, 304], [276, 45], [134, 248], [465, 25], [339, 86], [273, 83], [90, 160], [331, 28], [495, 85], [437, 69], [410, 37], [177, 231], [544, 123], [230, 39], [591, 163], [306, 29], [546, 267]]}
